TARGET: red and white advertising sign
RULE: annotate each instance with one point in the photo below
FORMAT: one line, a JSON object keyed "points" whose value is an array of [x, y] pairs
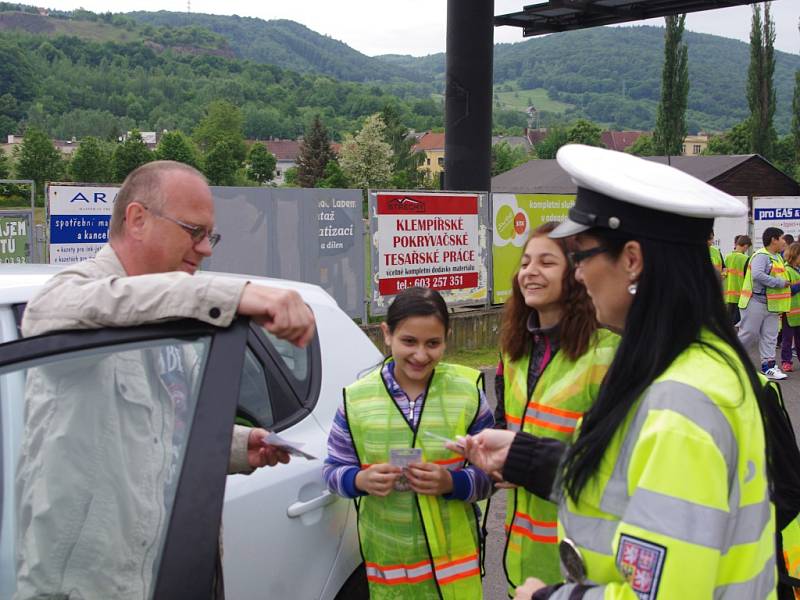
{"points": [[427, 240]]}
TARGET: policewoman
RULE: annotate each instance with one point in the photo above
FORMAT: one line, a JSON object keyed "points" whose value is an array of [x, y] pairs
{"points": [[417, 523], [554, 357], [663, 492]]}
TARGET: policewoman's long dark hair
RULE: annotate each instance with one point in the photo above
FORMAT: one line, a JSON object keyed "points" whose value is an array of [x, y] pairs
{"points": [[678, 294]]}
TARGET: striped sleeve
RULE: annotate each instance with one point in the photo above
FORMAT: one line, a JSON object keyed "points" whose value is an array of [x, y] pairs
{"points": [[341, 465]]}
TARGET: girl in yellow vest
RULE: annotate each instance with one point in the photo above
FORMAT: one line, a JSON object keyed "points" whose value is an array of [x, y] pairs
{"points": [[791, 319], [664, 490], [553, 358], [417, 521]]}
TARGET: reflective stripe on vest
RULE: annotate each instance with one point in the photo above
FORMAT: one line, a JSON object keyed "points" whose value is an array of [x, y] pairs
{"points": [[416, 545], [778, 299], [564, 391], [539, 531], [726, 530]]}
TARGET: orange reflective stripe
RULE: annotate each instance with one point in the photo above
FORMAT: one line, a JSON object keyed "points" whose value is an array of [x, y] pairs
{"points": [[572, 414], [550, 417], [780, 296], [747, 293], [547, 425], [794, 311], [731, 292], [735, 272], [460, 568], [539, 531], [399, 574]]}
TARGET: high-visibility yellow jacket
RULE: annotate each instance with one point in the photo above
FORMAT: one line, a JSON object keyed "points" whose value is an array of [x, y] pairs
{"points": [[679, 506], [793, 314], [716, 257], [563, 392], [778, 299], [734, 276], [415, 545]]}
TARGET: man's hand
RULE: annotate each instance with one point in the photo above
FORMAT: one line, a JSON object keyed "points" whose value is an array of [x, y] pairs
{"points": [[429, 479], [281, 312], [377, 480], [528, 589], [259, 455], [487, 450]]}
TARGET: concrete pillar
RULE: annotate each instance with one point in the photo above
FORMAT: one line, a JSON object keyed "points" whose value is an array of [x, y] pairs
{"points": [[468, 95]]}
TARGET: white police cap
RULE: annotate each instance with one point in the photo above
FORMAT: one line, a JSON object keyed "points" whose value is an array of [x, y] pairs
{"points": [[623, 192]]}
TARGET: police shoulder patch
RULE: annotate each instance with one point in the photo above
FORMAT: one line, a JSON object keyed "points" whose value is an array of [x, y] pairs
{"points": [[641, 563]]}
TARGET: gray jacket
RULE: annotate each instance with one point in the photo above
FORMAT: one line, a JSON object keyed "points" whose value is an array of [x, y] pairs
{"points": [[86, 527]]}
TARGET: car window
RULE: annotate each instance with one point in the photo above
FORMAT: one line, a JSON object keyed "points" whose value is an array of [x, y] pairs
{"points": [[296, 359], [269, 395], [92, 449], [255, 406], [300, 367]]}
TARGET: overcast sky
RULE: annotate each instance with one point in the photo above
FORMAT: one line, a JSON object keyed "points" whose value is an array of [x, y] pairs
{"points": [[418, 27]]}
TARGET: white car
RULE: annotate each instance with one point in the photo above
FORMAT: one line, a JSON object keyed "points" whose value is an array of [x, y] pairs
{"points": [[285, 535]]}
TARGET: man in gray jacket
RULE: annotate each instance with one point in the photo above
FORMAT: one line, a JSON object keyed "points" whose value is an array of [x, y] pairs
{"points": [[103, 441]]}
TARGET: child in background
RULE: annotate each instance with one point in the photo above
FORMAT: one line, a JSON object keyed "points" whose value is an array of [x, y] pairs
{"points": [[417, 522], [733, 274], [791, 321]]}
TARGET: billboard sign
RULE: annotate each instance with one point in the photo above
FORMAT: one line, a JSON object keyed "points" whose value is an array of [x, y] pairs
{"points": [[79, 217], [428, 239], [15, 237], [514, 216], [782, 212]]}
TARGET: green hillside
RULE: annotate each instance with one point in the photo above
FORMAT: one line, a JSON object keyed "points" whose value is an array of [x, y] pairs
{"points": [[613, 75], [287, 44], [72, 87]]}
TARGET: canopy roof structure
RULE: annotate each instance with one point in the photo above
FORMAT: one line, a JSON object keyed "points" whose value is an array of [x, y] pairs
{"points": [[564, 15]]}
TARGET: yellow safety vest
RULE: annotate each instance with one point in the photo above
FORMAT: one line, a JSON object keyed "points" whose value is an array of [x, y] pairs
{"points": [[563, 392], [679, 505], [734, 276], [414, 545], [793, 314], [778, 299], [716, 257]]}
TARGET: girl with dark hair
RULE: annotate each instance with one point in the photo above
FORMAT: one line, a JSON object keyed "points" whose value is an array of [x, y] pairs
{"points": [[553, 358], [417, 518], [664, 491]]}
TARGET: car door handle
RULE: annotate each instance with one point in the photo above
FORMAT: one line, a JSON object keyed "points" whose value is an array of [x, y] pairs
{"points": [[300, 508]]}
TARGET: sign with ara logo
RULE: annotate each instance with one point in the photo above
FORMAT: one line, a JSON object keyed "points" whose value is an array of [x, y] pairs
{"points": [[79, 217]]}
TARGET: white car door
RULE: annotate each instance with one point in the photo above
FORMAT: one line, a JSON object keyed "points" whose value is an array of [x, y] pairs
{"points": [[282, 528]]}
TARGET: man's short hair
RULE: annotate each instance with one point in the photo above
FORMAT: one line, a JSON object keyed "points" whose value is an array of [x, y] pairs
{"points": [[770, 233], [144, 184], [743, 240], [788, 238]]}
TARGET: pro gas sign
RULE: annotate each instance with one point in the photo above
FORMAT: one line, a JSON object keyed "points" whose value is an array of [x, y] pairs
{"points": [[79, 219]]}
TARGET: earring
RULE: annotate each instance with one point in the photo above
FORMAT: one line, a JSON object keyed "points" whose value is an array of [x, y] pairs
{"points": [[632, 288]]}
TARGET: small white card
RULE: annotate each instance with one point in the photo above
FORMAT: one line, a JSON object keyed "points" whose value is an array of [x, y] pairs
{"points": [[402, 457], [288, 446]]}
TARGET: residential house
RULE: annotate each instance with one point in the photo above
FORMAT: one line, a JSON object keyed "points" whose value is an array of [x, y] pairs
{"points": [[694, 145], [620, 140], [432, 144]]}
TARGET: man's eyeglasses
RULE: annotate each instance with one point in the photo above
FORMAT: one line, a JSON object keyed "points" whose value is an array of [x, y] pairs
{"points": [[575, 258], [197, 232]]}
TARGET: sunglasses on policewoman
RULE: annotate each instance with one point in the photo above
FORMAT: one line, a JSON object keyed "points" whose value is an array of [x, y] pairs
{"points": [[575, 258], [197, 232]]}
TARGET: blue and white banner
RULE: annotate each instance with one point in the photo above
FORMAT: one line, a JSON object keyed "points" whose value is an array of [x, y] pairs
{"points": [[782, 212], [79, 216]]}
